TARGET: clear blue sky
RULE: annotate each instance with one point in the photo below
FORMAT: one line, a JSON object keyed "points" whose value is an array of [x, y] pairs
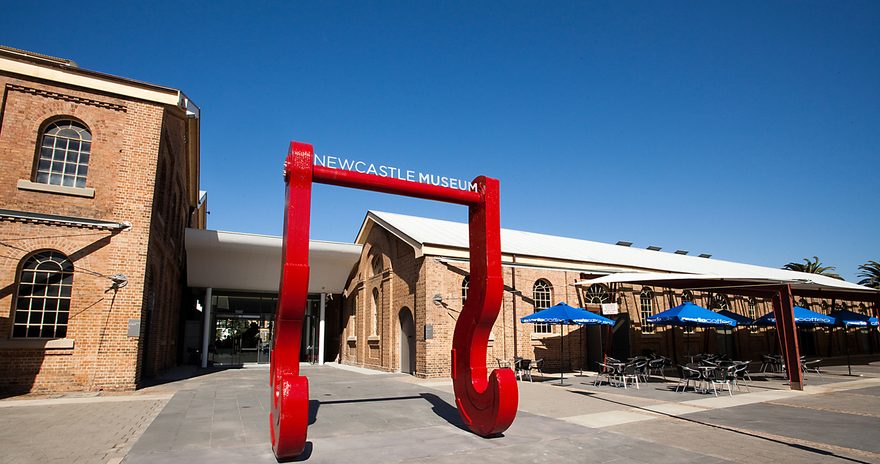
{"points": [[748, 130]]}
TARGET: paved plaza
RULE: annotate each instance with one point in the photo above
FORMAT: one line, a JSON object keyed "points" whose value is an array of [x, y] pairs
{"points": [[364, 416]]}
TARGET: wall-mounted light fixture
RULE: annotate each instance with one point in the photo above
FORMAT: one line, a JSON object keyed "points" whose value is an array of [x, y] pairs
{"points": [[438, 299]]}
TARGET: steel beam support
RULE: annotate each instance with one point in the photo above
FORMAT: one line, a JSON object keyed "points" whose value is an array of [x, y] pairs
{"points": [[783, 308], [487, 404]]}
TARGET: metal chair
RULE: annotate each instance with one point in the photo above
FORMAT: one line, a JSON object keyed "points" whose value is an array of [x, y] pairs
{"points": [[631, 371], [807, 366], [657, 365], [524, 367], [685, 375]]}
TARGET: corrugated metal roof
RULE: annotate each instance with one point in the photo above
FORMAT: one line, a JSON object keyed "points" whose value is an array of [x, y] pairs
{"points": [[427, 231]]}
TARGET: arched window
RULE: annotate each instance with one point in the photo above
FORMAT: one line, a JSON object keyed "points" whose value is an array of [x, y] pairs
{"points": [[646, 306], [465, 283], [753, 304], [718, 302], [688, 296], [42, 302], [376, 265], [374, 312], [542, 295], [803, 303], [64, 154], [825, 307], [863, 309], [597, 294]]}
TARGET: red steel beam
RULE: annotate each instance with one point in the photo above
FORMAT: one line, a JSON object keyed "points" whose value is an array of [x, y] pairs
{"points": [[783, 309]]}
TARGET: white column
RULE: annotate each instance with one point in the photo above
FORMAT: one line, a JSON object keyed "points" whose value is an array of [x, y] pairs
{"points": [[206, 327], [321, 329]]}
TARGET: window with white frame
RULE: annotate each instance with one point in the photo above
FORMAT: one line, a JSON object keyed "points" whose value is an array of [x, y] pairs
{"points": [[42, 302], [542, 295], [753, 305], [377, 266], [687, 296], [63, 158], [465, 283], [646, 299], [719, 302], [597, 294], [374, 312]]}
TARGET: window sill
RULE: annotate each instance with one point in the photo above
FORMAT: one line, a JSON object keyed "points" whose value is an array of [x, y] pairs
{"points": [[373, 339], [352, 340], [86, 192], [37, 343]]}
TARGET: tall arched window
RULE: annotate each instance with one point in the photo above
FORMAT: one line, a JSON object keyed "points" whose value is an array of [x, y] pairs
{"points": [[753, 304], [374, 312], [646, 299], [718, 302], [803, 303], [597, 294], [687, 296], [825, 307], [42, 302], [465, 283], [542, 295], [64, 154], [376, 265]]}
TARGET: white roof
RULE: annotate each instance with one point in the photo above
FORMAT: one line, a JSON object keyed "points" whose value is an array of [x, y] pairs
{"points": [[430, 236], [250, 262]]}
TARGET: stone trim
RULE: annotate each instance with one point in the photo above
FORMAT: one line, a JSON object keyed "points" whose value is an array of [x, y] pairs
{"points": [[86, 192], [37, 343], [70, 98]]}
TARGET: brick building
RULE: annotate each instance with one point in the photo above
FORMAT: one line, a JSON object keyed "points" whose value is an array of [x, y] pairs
{"points": [[99, 177], [407, 290]]}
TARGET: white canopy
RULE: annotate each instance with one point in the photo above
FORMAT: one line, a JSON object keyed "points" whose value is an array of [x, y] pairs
{"points": [[798, 281], [249, 262]]}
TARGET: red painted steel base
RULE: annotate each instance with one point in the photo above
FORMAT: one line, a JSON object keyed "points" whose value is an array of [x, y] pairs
{"points": [[486, 404]]}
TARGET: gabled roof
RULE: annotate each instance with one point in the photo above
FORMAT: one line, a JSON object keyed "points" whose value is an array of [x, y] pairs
{"points": [[436, 237]]}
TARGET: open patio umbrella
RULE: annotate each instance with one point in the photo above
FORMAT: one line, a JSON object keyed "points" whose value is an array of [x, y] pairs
{"points": [[563, 314], [847, 319], [739, 318], [688, 314], [802, 316]]}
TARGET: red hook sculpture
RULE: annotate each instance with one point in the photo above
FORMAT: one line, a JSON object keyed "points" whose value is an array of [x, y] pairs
{"points": [[487, 405]]}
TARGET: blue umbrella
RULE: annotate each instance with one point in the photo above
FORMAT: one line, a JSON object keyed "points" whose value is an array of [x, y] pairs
{"points": [[688, 314], [563, 314], [740, 319], [848, 319], [802, 316]]}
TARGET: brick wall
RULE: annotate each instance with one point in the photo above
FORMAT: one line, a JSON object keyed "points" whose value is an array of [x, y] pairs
{"points": [[127, 137], [414, 283]]}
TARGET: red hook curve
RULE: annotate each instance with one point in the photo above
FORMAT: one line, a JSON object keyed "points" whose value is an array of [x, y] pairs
{"points": [[289, 417], [486, 405]]}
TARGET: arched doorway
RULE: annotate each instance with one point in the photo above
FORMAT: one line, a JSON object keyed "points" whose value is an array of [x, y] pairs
{"points": [[407, 341]]}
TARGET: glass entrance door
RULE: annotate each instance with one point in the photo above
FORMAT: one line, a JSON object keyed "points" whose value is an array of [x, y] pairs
{"points": [[243, 328]]}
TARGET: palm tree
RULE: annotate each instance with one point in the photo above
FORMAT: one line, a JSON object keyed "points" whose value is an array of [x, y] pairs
{"points": [[871, 274], [813, 267]]}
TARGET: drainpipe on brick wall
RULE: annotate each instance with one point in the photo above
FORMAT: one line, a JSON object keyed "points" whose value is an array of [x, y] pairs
{"points": [[513, 286]]}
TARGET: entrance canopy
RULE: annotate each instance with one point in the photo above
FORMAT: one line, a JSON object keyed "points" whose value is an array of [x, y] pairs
{"points": [[249, 262]]}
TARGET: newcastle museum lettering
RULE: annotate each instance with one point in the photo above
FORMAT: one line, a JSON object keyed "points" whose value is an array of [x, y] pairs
{"points": [[363, 167]]}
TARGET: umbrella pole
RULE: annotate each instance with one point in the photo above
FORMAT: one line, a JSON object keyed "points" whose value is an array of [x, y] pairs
{"points": [[561, 356], [846, 344]]}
